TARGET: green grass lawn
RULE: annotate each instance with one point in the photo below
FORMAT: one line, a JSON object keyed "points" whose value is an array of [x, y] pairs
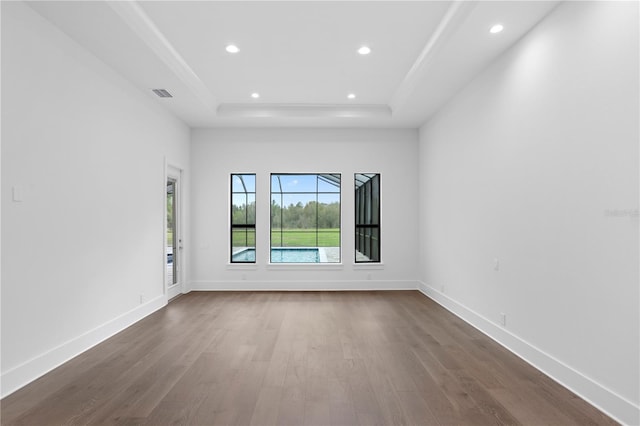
{"points": [[244, 238], [291, 238], [305, 238]]}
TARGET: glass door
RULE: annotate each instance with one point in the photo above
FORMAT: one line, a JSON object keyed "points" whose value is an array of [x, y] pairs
{"points": [[173, 236], [172, 276]]}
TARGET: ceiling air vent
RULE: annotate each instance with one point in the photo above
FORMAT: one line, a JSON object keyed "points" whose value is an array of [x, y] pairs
{"points": [[162, 93]]}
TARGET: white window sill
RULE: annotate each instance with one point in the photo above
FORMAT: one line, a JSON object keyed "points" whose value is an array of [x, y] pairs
{"points": [[242, 267], [305, 266], [368, 266]]}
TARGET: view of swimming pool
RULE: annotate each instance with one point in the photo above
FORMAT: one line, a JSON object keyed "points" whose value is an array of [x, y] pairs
{"points": [[282, 255]]}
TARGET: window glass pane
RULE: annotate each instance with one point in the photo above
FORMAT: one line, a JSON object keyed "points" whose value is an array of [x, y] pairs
{"points": [[299, 211], [329, 183], [375, 245], [238, 209], [367, 217], [251, 209], [275, 184], [375, 199], [243, 218], [243, 183], [243, 247], [298, 200], [297, 183], [236, 183], [250, 182], [305, 222], [329, 212], [329, 198], [367, 203], [276, 211], [244, 237]]}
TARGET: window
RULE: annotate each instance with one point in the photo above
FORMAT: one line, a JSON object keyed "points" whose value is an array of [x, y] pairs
{"points": [[305, 218], [367, 206], [243, 218]]}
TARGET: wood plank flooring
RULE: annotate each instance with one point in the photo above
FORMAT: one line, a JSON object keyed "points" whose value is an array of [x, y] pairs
{"points": [[298, 358]]}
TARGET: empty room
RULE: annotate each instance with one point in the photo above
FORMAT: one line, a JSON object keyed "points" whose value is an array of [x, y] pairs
{"points": [[320, 213]]}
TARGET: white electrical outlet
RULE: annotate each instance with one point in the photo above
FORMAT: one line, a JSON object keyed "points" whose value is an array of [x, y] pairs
{"points": [[503, 319], [141, 299], [496, 264], [442, 288]]}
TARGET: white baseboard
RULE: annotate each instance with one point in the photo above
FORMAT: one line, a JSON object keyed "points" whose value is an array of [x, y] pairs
{"points": [[19, 376], [301, 285], [606, 400]]}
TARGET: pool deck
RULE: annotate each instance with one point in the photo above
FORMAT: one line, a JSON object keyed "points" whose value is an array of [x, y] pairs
{"points": [[333, 254]]}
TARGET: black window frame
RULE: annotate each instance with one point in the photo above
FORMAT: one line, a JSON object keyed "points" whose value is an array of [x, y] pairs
{"points": [[330, 178], [367, 235], [242, 226]]}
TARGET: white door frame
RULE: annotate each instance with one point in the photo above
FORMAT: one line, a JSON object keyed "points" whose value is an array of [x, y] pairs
{"points": [[172, 290]]}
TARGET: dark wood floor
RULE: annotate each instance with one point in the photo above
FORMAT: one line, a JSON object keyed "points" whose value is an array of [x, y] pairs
{"points": [[298, 358]]}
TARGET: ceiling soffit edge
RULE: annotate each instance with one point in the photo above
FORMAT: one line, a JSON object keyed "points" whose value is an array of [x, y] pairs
{"points": [[303, 110], [142, 25], [450, 22]]}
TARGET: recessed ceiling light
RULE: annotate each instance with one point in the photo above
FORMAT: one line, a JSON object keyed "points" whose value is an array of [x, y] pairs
{"points": [[351, 96], [255, 95], [496, 29], [232, 48], [364, 50]]}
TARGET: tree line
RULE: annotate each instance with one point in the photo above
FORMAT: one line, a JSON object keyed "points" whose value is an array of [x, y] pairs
{"points": [[293, 216]]}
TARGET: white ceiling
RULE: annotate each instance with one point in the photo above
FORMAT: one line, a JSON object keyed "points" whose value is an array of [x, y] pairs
{"points": [[300, 56]]}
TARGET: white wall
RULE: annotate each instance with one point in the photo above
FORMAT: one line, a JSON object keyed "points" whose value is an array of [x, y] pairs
{"points": [[218, 153], [87, 151], [536, 163]]}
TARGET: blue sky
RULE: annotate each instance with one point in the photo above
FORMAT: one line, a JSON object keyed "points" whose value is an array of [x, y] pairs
{"points": [[300, 183], [249, 182]]}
